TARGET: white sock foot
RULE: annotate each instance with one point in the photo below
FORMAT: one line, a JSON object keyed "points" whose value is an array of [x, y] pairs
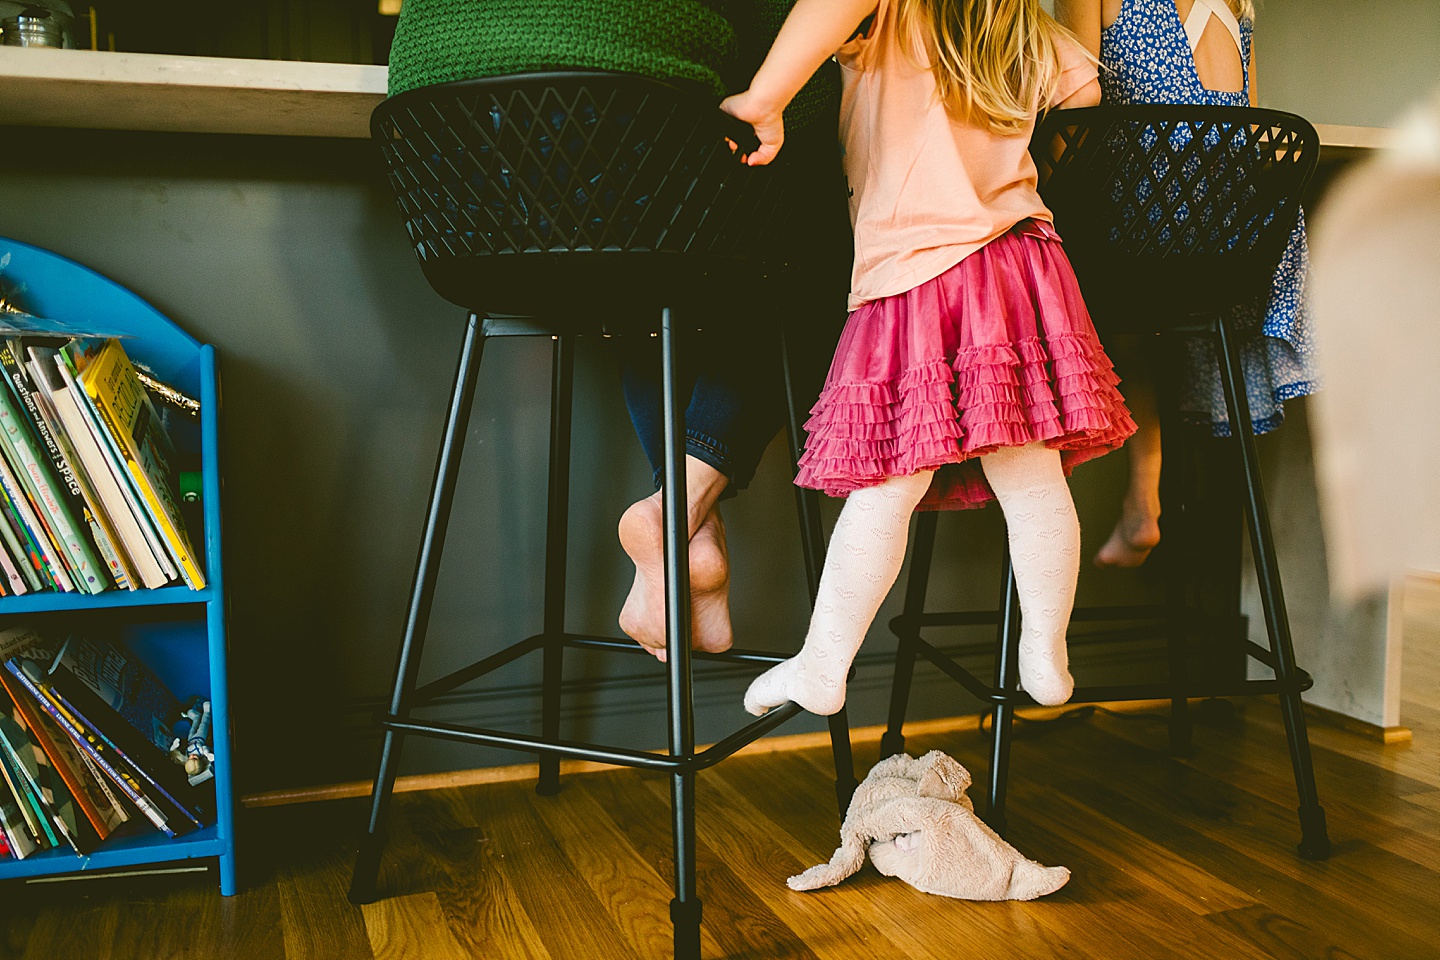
{"points": [[1045, 669], [866, 551], [798, 681]]}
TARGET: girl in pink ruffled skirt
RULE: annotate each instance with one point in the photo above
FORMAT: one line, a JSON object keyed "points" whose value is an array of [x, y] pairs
{"points": [[969, 368]]}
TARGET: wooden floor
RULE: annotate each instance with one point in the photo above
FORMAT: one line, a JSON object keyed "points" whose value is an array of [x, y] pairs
{"points": [[1170, 859]]}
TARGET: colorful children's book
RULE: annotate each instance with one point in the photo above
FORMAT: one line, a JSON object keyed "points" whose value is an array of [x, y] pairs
{"points": [[50, 564], [110, 452], [124, 683], [31, 675], [17, 836], [19, 443], [35, 819], [71, 491], [15, 583], [125, 411], [91, 795], [17, 543], [37, 768], [108, 490], [159, 777], [12, 740]]}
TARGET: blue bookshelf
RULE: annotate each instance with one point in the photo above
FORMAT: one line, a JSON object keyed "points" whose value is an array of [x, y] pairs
{"points": [[178, 632]]}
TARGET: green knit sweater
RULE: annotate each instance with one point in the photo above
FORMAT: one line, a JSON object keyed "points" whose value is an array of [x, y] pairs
{"points": [[716, 44]]}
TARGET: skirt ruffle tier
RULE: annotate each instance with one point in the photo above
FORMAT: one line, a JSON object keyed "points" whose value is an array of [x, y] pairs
{"points": [[998, 351]]}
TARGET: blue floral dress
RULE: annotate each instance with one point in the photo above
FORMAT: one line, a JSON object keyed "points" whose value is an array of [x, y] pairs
{"points": [[1146, 58]]}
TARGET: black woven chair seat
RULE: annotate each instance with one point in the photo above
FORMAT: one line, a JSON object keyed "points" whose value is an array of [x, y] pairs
{"points": [[557, 192], [1171, 213]]}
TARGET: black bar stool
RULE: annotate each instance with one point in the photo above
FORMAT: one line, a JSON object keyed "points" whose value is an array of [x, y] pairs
{"points": [[555, 205], [1152, 200]]}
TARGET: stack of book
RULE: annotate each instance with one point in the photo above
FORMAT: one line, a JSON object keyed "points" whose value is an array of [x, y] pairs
{"points": [[88, 494], [87, 748]]}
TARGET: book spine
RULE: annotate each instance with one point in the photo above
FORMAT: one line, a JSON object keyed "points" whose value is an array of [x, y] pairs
{"points": [[31, 789], [61, 479], [125, 411], [13, 825], [173, 539], [102, 781], [91, 749], [30, 759], [135, 770], [9, 554], [19, 543], [23, 800], [73, 546], [112, 499], [107, 539], [116, 463], [64, 757], [47, 563], [16, 543], [102, 531]]}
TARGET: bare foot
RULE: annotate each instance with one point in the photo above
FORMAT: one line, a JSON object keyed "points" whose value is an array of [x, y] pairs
{"points": [[643, 615], [1137, 533], [710, 587]]}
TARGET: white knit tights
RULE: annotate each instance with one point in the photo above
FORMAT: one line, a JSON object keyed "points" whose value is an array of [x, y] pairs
{"points": [[868, 547], [1045, 550]]}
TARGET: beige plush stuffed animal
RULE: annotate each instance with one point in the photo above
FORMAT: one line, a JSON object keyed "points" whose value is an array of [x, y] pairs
{"points": [[918, 824]]}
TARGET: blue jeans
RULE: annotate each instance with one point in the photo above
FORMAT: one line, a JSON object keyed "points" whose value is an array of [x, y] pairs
{"points": [[736, 399]]}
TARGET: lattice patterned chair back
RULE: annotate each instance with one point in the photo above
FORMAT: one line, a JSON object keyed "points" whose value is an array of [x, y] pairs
{"points": [[1172, 212], [554, 192]]}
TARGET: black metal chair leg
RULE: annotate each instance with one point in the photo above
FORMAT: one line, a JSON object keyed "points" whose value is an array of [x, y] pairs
{"points": [[1007, 678], [562, 383], [916, 586], [812, 542], [1315, 840], [427, 570], [1173, 532], [685, 908]]}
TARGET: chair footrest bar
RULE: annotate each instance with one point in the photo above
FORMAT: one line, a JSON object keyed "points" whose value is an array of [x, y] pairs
{"points": [[620, 756], [1132, 691], [745, 736], [526, 743], [735, 655], [475, 671], [530, 644]]}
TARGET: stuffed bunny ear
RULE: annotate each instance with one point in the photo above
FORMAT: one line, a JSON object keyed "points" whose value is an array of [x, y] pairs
{"points": [[848, 859], [942, 777]]}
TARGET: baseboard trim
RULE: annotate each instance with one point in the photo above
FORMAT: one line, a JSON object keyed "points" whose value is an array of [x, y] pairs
{"points": [[1361, 728], [529, 771]]}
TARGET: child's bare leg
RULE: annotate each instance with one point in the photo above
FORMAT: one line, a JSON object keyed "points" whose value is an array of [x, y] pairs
{"points": [[1138, 530], [866, 551], [641, 534], [1045, 550]]}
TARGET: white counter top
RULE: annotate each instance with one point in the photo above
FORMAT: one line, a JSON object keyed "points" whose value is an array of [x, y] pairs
{"points": [[142, 91]]}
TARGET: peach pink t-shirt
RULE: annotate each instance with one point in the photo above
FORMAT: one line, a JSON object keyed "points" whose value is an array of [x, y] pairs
{"points": [[926, 190]]}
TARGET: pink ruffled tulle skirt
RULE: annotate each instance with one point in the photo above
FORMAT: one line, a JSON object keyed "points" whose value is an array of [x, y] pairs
{"points": [[998, 351]]}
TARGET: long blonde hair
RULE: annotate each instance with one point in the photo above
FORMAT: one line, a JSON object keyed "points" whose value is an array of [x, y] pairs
{"points": [[995, 61]]}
